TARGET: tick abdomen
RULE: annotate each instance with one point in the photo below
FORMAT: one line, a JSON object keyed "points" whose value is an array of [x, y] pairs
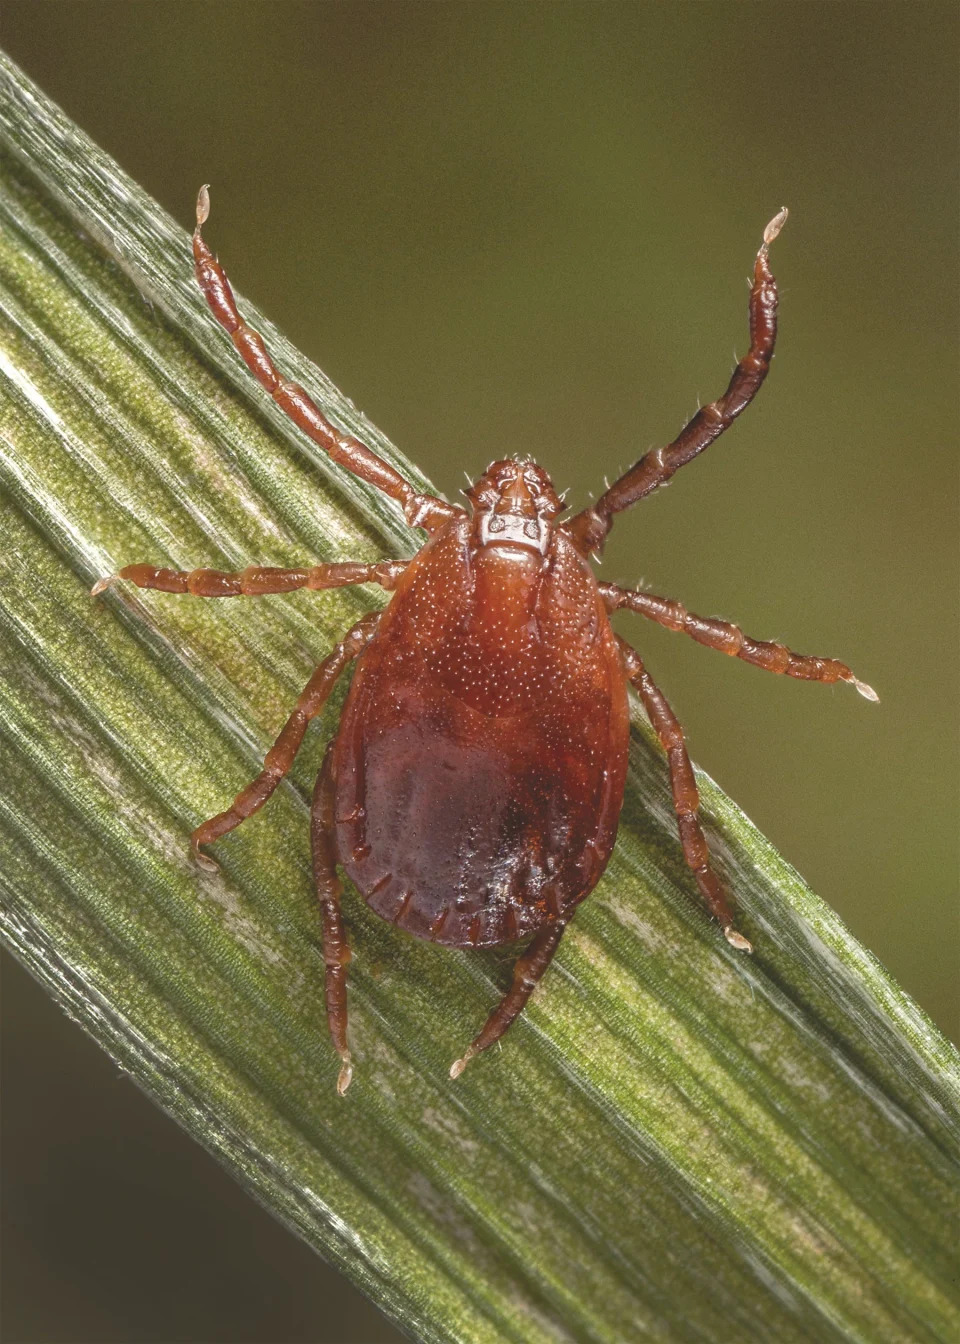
{"points": [[481, 757]]}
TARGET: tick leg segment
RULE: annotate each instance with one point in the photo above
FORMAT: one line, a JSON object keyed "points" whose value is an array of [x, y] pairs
{"points": [[529, 968], [589, 528], [686, 797], [419, 510], [256, 580], [336, 952], [730, 639], [281, 755]]}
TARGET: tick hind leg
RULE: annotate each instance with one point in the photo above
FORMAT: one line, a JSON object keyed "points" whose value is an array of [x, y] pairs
{"points": [[336, 952], [529, 968], [281, 755], [686, 797]]}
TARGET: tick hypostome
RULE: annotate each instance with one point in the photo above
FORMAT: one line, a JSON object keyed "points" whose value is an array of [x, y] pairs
{"points": [[473, 787]]}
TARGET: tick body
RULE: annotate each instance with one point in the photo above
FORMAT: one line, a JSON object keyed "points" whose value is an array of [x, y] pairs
{"points": [[479, 767], [473, 787]]}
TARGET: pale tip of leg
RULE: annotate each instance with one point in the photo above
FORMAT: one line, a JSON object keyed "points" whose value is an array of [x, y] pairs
{"points": [[737, 940], [205, 862], [458, 1065], [345, 1076], [775, 225], [102, 585], [866, 691], [203, 205]]}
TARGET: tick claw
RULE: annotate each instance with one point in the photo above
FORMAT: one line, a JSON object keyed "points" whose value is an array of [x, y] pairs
{"points": [[346, 1073], [737, 940], [458, 1065], [866, 691], [203, 206], [102, 585], [775, 225], [205, 862]]}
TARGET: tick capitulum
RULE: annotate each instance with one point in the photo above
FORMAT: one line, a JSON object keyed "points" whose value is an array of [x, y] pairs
{"points": [[474, 784]]}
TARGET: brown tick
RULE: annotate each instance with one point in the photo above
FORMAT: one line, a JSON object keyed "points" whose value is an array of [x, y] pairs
{"points": [[473, 788]]}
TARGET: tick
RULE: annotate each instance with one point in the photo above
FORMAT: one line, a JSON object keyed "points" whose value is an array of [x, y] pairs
{"points": [[473, 788]]}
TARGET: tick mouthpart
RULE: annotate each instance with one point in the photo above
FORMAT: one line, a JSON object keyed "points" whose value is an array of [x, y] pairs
{"points": [[515, 497]]}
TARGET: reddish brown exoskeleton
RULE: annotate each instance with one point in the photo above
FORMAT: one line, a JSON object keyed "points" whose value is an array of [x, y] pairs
{"points": [[473, 788]]}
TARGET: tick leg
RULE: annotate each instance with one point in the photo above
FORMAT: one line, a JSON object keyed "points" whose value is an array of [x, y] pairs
{"points": [[336, 952], [730, 639], [419, 510], [256, 580], [686, 798], [589, 528], [529, 968], [281, 755]]}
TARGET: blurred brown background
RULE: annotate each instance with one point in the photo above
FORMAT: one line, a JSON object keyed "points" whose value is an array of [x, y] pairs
{"points": [[501, 227]]}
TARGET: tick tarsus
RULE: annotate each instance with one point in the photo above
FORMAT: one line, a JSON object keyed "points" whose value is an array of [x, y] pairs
{"points": [[201, 859], [345, 1076], [773, 228], [458, 1065], [203, 206], [737, 940], [520, 562]]}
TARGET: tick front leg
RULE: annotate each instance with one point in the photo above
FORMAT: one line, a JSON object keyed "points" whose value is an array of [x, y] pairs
{"points": [[281, 755], [730, 639], [419, 510], [529, 968], [255, 580], [590, 527], [336, 952], [686, 797]]}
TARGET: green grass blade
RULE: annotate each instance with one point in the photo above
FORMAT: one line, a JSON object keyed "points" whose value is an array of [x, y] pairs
{"points": [[675, 1142]]}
